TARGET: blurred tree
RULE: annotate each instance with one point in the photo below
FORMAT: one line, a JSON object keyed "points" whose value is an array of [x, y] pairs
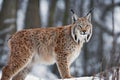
{"points": [[59, 12], [52, 6], [81, 7], [7, 22], [66, 13], [32, 19]]}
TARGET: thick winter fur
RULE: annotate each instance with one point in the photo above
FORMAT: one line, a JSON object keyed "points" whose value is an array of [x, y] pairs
{"points": [[60, 45]]}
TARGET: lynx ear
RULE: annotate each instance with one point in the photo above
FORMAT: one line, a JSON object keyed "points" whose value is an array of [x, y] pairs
{"points": [[74, 17], [88, 16]]}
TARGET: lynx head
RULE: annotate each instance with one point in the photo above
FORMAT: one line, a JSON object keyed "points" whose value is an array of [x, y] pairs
{"points": [[82, 27]]}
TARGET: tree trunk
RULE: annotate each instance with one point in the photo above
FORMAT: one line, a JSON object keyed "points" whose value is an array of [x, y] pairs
{"points": [[100, 56], [7, 22], [81, 7], [52, 5], [66, 13], [32, 19]]}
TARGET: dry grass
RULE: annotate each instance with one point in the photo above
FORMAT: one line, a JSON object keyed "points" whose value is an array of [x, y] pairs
{"points": [[109, 74]]}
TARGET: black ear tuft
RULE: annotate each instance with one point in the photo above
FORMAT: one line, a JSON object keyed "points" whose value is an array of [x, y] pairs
{"points": [[74, 16], [88, 16], [72, 11], [91, 10]]}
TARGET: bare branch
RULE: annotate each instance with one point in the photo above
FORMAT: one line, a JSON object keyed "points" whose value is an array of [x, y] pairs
{"points": [[103, 27], [109, 8]]}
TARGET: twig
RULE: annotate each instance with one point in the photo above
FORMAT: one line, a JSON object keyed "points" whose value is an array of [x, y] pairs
{"points": [[113, 43]]}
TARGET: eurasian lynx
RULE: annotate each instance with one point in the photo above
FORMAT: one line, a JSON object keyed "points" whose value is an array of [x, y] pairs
{"points": [[60, 45]]}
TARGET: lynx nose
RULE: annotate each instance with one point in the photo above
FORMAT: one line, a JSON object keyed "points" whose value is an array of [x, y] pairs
{"points": [[83, 32]]}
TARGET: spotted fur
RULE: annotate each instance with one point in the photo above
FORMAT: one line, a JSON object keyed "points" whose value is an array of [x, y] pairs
{"points": [[60, 45]]}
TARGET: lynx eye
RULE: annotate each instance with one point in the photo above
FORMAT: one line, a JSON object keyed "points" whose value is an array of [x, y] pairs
{"points": [[87, 26], [80, 26]]}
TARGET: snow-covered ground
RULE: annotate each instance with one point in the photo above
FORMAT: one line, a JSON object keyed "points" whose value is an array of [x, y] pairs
{"points": [[29, 77], [32, 77], [39, 72], [45, 73]]}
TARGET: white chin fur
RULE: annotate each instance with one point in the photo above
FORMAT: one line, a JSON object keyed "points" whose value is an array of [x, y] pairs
{"points": [[83, 38]]}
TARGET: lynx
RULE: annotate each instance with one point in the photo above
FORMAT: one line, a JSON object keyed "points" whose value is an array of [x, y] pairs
{"points": [[60, 45]]}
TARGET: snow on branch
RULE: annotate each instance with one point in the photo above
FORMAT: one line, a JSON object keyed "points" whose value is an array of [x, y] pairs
{"points": [[6, 30]]}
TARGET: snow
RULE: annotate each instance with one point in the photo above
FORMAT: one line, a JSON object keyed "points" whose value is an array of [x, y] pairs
{"points": [[117, 19], [44, 11], [61, 4], [32, 77], [29, 77], [84, 78], [1, 4], [9, 20], [43, 71], [21, 15], [0, 74]]}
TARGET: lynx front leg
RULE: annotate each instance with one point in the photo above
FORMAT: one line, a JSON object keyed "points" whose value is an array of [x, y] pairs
{"points": [[63, 66]]}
